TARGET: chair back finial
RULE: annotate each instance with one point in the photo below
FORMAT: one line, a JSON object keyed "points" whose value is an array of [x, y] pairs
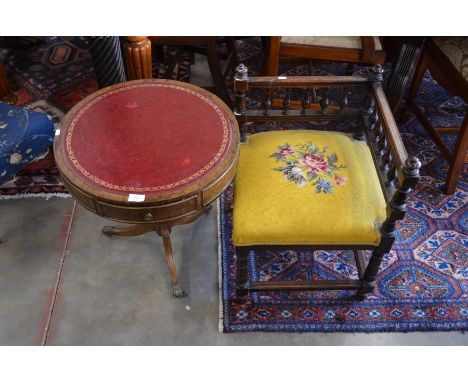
{"points": [[241, 72], [412, 166]]}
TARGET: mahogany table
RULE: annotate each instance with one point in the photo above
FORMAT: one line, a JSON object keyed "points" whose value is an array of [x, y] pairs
{"points": [[154, 153]]}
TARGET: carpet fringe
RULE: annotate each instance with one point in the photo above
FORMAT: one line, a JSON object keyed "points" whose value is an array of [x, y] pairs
{"points": [[44, 195]]}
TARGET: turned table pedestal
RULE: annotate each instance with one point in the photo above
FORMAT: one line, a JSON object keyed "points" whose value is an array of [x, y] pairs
{"points": [[154, 153]]}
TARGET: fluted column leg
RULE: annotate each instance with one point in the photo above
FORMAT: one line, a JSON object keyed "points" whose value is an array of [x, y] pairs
{"points": [[137, 54]]}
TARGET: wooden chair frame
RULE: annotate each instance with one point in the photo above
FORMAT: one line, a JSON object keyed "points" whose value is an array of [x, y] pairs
{"points": [[397, 173], [450, 78], [277, 49]]}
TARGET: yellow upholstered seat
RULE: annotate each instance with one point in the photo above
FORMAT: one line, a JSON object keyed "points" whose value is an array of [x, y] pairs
{"points": [[306, 187]]}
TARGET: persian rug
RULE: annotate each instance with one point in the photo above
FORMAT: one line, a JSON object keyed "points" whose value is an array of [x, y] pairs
{"points": [[51, 77], [423, 282]]}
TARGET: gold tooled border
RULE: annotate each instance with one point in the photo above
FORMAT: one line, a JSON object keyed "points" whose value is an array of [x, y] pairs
{"points": [[80, 168]]}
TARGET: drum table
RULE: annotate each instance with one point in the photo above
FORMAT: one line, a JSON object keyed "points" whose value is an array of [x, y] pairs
{"points": [[154, 153]]}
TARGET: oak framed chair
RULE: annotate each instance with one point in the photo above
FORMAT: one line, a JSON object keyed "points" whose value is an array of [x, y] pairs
{"points": [[306, 189], [445, 58], [350, 49]]}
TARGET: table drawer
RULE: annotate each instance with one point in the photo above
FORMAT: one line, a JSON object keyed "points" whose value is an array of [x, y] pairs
{"points": [[148, 214]]}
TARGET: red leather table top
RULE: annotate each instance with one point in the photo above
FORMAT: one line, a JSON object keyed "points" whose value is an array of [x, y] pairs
{"points": [[145, 137]]}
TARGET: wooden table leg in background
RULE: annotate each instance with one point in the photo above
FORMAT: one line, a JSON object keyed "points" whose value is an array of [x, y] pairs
{"points": [[137, 54]]}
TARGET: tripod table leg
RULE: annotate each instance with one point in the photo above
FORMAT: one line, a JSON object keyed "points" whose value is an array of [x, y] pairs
{"points": [[165, 233]]}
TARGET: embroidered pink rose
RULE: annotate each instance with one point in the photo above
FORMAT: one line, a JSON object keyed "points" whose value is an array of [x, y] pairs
{"points": [[307, 163], [315, 163], [340, 179], [285, 150]]}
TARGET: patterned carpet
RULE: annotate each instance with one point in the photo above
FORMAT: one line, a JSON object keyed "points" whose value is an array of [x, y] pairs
{"points": [[422, 284]]}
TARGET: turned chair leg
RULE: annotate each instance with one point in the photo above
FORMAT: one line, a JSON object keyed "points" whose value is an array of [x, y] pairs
{"points": [[368, 279], [242, 274]]}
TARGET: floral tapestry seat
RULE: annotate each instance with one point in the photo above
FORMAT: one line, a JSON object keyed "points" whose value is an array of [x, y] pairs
{"points": [[306, 187], [25, 136]]}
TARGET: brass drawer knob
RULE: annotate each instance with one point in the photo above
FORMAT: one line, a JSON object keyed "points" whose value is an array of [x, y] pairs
{"points": [[148, 217]]}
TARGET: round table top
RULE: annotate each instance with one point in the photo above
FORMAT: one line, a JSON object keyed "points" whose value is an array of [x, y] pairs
{"points": [[158, 138]]}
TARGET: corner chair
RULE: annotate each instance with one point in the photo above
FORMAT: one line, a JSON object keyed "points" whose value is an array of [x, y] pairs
{"points": [[309, 189]]}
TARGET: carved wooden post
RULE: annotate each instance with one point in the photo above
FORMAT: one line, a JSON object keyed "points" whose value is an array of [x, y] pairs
{"points": [[396, 210], [137, 53], [241, 85], [368, 108], [107, 57]]}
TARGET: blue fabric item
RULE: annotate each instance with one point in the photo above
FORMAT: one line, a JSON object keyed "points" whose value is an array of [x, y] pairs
{"points": [[25, 135]]}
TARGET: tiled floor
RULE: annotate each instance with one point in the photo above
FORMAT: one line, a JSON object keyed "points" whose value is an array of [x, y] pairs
{"points": [[64, 283]]}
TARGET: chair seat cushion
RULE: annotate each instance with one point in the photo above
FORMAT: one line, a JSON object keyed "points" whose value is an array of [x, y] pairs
{"points": [[306, 187], [347, 42], [456, 50], [25, 136]]}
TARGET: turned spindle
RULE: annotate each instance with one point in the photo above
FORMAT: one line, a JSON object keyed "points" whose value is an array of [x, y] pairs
{"points": [[344, 100], [267, 102], [287, 102], [241, 85], [137, 54], [305, 101], [324, 102], [396, 211]]}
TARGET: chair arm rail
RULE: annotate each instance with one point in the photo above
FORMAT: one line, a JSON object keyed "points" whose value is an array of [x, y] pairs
{"points": [[391, 128]]}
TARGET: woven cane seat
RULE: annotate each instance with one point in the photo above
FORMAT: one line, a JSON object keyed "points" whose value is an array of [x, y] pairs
{"points": [[306, 187]]}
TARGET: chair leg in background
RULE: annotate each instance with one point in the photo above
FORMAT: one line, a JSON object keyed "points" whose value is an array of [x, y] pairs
{"points": [[215, 69], [458, 158], [242, 274]]}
